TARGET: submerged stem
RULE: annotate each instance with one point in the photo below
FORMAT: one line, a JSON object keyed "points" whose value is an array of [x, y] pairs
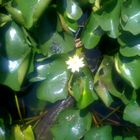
{"points": [[18, 107]]}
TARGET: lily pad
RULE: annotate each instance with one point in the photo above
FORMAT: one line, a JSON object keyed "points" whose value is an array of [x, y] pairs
{"points": [[130, 16], [130, 44], [118, 138], [15, 57], [104, 84], [132, 113], [58, 44], [128, 68], [83, 89], [54, 87], [13, 42], [71, 124], [129, 51], [102, 133], [130, 138], [108, 18], [72, 9], [92, 33], [27, 12]]}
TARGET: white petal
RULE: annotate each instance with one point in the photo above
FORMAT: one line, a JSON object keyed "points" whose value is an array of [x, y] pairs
{"points": [[75, 63]]}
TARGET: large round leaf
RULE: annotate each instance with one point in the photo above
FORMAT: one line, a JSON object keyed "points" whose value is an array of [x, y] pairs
{"points": [[71, 125], [14, 56], [54, 87], [57, 44], [50, 36]]}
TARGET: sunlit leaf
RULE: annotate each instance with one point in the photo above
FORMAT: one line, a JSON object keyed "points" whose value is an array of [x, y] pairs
{"points": [[72, 9], [83, 89], [26, 134]]}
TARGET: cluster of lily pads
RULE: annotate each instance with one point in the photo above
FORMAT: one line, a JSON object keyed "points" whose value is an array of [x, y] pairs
{"points": [[53, 91]]}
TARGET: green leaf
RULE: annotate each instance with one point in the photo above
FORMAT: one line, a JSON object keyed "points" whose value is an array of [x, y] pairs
{"points": [[33, 105], [72, 9], [58, 44], [103, 93], [14, 45], [27, 12], [26, 134], [91, 34], [108, 17], [125, 138], [70, 12], [4, 19], [129, 51], [130, 44], [118, 138], [91, 1], [128, 68], [130, 138], [130, 16], [54, 87], [71, 124], [132, 113], [102, 133], [83, 90], [103, 82], [51, 39], [72, 25], [14, 58]]}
